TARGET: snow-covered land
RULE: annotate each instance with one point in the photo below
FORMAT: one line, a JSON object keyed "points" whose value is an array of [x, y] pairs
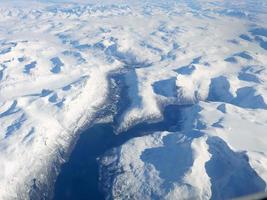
{"points": [[208, 56]]}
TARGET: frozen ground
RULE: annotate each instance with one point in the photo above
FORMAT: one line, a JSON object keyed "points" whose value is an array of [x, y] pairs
{"points": [[55, 62]]}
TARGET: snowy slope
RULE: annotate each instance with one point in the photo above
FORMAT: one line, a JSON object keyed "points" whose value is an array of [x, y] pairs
{"points": [[219, 66], [55, 59]]}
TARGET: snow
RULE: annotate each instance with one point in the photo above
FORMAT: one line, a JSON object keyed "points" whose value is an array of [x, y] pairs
{"points": [[55, 60], [39, 118]]}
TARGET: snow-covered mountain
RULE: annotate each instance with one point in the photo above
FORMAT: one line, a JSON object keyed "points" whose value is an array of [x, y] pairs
{"points": [[208, 57]]}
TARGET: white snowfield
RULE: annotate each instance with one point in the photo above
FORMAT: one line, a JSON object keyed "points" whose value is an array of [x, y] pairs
{"points": [[55, 59]]}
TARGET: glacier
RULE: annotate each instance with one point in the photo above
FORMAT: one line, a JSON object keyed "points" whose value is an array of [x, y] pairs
{"points": [[204, 61]]}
